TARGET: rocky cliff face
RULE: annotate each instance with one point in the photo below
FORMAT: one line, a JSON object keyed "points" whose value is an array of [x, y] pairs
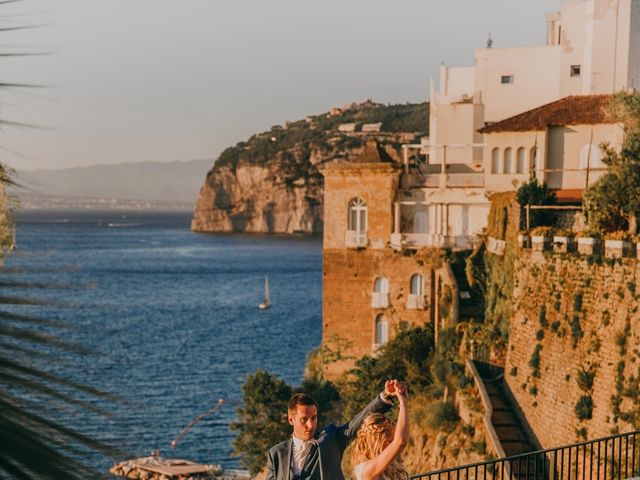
{"points": [[271, 183], [258, 199]]}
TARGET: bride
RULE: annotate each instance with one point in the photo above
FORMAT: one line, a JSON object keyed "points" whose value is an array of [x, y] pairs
{"points": [[379, 443]]}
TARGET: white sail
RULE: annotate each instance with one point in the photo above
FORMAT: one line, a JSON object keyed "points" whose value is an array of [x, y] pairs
{"points": [[267, 296]]}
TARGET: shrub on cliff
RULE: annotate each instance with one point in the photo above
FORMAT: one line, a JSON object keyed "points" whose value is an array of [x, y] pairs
{"points": [[262, 418], [407, 357], [613, 201], [535, 193]]}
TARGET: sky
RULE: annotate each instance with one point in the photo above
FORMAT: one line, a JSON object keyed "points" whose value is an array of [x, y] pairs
{"points": [[165, 80]]}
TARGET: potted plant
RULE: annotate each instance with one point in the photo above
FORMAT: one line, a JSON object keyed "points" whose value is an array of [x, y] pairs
{"points": [[563, 241], [589, 242], [524, 239], [541, 238], [617, 244]]}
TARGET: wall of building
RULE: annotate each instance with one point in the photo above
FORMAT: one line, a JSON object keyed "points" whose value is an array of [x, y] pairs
{"points": [[347, 289], [536, 79], [376, 184], [457, 131], [633, 80], [503, 182], [574, 314]]}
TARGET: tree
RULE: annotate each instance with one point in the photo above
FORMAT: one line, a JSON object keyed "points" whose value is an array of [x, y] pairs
{"points": [[613, 201], [407, 357], [262, 418], [534, 193]]}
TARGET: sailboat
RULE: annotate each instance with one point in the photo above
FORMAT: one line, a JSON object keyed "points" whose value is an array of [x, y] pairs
{"points": [[266, 303]]}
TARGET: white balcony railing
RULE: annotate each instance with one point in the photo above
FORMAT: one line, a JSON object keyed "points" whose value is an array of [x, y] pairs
{"points": [[451, 180], [415, 302], [380, 300], [355, 239], [417, 240]]}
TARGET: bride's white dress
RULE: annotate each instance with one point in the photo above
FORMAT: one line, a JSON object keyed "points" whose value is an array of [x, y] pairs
{"points": [[358, 471]]}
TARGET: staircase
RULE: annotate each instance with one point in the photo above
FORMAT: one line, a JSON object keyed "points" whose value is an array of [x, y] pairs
{"points": [[470, 299], [509, 429]]}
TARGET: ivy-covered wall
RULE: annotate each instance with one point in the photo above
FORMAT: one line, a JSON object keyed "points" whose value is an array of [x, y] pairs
{"points": [[573, 361]]}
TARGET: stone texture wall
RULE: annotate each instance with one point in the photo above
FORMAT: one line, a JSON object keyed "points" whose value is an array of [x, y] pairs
{"points": [[348, 282], [574, 314]]}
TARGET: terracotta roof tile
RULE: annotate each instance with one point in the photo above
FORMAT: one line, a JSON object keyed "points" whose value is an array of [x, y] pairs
{"points": [[573, 110]]}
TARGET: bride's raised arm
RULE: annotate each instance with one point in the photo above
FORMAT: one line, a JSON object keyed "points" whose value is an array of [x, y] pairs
{"points": [[375, 466]]}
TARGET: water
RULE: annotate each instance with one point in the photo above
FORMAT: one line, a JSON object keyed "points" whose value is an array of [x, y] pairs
{"points": [[172, 317]]}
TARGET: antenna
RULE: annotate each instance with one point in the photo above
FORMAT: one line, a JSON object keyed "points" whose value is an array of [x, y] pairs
{"points": [[489, 41], [216, 409]]}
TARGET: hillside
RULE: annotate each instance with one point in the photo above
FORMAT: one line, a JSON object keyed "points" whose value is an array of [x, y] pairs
{"points": [[169, 182], [271, 183]]}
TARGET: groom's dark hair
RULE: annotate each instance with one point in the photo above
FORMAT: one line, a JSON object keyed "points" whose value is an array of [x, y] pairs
{"points": [[300, 399]]}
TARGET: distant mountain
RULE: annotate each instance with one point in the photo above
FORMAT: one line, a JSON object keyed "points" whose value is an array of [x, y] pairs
{"points": [[167, 182]]}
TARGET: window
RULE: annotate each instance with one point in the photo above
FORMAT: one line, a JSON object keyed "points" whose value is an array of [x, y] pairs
{"points": [[508, 160], [357, 224], [520, 164], [382, 331], [416, 284], [495, 160], [380, 297], [575, 70], [506, 79], [415, 300], [357, 215]]}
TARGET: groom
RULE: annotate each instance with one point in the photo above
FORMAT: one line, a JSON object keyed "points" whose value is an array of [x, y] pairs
{"points": [[311, 455]]}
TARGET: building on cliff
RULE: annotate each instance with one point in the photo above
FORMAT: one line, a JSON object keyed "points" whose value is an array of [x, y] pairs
{"points": [[540, 109]]}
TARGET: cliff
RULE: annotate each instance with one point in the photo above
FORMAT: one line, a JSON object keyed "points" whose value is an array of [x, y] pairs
{"points": [[271, 182]]}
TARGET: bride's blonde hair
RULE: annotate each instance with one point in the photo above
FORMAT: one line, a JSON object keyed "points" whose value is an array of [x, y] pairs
{"points": [[370, 442]]}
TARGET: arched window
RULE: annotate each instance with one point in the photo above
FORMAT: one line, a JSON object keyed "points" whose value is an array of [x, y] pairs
{"points": [[533, 157], [520, 161], [380, 298], [416, 285], [381, 285], [382, 330], [357, 216], [508, 160], [495, 160]]}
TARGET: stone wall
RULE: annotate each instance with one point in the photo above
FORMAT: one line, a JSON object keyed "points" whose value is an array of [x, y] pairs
{"points": [[348, 282], [575, 322]]}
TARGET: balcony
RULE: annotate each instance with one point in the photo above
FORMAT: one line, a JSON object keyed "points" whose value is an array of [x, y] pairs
{"points": [[419, 240], [356, 239], [380, 300], [415, 302], [439, 180]]}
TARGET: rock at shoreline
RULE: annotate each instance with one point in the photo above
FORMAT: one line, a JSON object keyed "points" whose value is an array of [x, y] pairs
{"points": [[158, 468]]}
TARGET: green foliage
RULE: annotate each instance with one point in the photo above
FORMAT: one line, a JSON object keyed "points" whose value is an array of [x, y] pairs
{"points": [[584, 407], [533, 390], [577, 302], [262, 418], [407, 357], [576, 330], [542, 316], [534, 361], [540, 335], [613, 201], [534, 193], [442, 416], [585, 378]]}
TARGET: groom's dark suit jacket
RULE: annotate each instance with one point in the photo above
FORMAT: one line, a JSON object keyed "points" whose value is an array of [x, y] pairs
{"points": [[324, 462]]}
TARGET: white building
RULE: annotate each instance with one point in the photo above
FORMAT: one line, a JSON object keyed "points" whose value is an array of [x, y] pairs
{"points": [[593, 47]]}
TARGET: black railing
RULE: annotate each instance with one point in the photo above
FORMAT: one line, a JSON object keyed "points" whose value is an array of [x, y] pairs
{"points": [[616, 457]]}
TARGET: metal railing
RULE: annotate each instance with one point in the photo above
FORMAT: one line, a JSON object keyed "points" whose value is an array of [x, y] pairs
{"points": [[616, 457]]}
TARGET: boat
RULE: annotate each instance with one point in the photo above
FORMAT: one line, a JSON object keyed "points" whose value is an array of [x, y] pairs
{"points": [[266, 303]]}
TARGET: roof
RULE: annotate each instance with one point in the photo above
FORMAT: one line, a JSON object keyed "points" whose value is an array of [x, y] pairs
{"points": [[373, 153], [564, 196], [573, 110]]}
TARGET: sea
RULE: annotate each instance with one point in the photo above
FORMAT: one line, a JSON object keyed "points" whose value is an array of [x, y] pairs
{"points": [[168, 319]]}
